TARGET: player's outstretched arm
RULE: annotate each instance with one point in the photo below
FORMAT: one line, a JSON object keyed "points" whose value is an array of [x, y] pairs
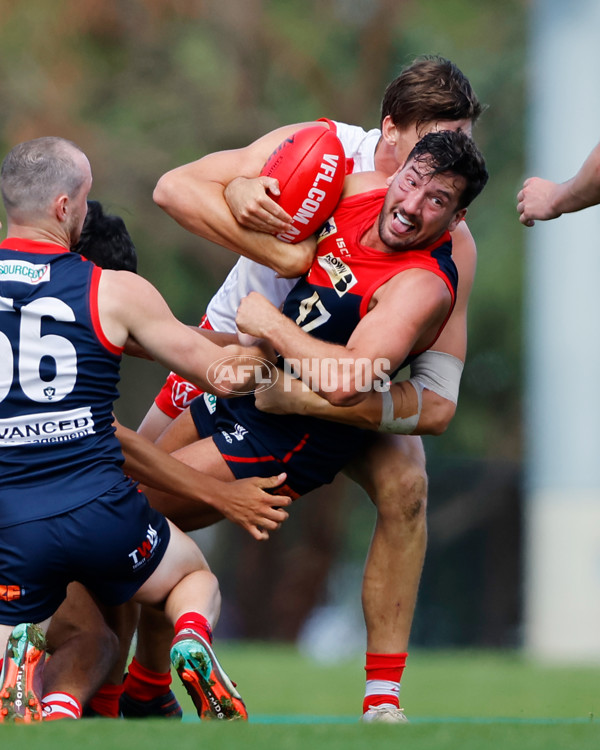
{"points": [[129, 306], [194, 195], [542, 200], [246, 502]]}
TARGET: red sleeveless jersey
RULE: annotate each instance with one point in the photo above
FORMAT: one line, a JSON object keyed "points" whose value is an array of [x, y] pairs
{"points": [[337, 290]]}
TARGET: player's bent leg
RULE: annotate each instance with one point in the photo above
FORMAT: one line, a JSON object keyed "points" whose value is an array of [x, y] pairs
{"points": [[193, 606], [393, 474], [147, 685], [180, 432], [83, 647], [106, 701], [154, 423]]}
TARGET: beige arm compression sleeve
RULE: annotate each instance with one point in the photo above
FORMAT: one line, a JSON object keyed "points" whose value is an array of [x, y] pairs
{"points": [[434, 371]]}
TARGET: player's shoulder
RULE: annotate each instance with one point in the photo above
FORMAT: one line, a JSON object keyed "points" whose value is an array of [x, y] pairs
{"points": [[352, 135], [125, 279], [125, 288], [464, 249]]}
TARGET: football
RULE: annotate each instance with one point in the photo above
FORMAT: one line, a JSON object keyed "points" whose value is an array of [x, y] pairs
{"points": [[310, 166]]}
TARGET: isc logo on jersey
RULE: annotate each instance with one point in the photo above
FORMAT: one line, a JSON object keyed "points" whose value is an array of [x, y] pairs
{"points": [[342, 278]]}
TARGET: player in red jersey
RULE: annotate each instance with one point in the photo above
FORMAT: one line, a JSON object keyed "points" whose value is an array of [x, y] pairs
{"points": [[435, 207], [429, 94]]}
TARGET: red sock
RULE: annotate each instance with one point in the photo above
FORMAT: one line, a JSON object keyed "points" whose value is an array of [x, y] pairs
{"points": [[196, 622], [384, 673], [143, 684], [106, 700]]}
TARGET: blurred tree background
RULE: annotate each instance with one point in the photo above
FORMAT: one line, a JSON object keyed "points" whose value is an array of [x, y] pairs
{"points": [[145, 85]]}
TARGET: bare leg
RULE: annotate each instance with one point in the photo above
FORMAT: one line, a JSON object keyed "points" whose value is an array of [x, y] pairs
{"points": [[83, 647], [155, 632], [181, 440], [393, 474], [154, 423], [192, 606], [123, 621]]}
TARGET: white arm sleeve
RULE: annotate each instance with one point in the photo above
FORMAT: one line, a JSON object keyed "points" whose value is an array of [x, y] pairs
{"points": [[438, 372], [434, 371]]}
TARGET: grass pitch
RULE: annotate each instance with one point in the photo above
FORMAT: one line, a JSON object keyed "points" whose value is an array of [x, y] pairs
{"points": [[455, 700]]}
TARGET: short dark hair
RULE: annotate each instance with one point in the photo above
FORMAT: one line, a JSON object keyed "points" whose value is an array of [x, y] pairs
{"points": [[105, 240], [453, 152], [429, 90]]}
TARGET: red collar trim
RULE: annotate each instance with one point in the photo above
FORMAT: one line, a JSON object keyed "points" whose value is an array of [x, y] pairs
{"points": [[32, 246]]}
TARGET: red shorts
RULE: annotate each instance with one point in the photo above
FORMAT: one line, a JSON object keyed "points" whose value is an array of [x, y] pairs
{"points": [[177, 394]]}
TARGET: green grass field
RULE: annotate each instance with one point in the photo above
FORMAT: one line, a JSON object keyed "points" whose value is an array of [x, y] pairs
{"points": [[463, 700]]}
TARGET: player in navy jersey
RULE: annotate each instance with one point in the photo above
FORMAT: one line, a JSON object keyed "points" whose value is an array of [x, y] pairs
{"points": [[86, 646], [67, 511], [399, 312]]}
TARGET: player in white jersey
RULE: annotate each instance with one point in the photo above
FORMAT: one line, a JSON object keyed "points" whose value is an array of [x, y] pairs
{"points": [[248, 276], [428, 95]]}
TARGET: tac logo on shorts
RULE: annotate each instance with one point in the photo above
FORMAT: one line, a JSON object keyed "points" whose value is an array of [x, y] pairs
{"points": [[10, 592], [340, 274], [144, 552]]}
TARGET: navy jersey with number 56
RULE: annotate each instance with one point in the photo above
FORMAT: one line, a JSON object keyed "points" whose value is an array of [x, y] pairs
{"points": [[58, 381]]}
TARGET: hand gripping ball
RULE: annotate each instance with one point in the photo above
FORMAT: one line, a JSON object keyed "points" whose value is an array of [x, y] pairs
{"points": [[310, 166]]}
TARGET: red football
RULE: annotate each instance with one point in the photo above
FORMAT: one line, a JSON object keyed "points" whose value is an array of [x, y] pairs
{"points": [[310, 166]]}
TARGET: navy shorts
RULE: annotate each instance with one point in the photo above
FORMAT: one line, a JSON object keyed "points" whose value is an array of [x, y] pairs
{"points": [[112, 545], [310, 451]]}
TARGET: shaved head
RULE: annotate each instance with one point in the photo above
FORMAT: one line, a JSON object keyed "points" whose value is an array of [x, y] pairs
{"points": [[35, 172]]}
